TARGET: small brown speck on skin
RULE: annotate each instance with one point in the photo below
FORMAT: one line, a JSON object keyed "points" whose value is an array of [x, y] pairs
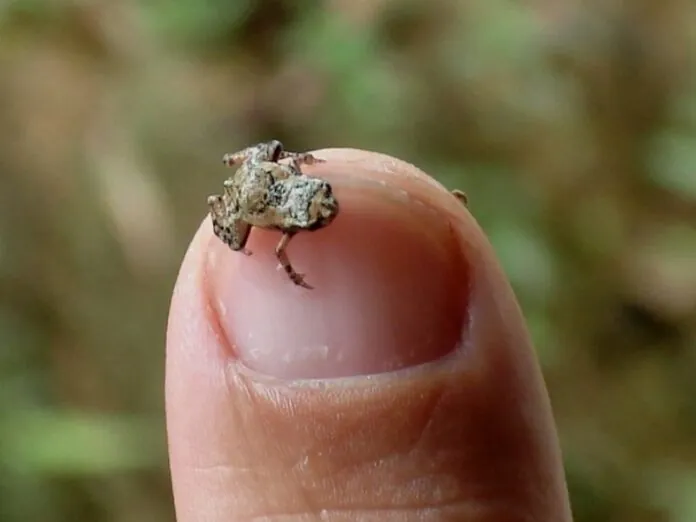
{"points": [[461, 196]]}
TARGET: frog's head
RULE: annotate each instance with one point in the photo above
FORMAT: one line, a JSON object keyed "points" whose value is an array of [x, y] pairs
{"points": [[324, 206]]}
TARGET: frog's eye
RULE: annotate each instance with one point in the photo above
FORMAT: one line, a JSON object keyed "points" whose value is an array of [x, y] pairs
{"points": [[276, 150]]}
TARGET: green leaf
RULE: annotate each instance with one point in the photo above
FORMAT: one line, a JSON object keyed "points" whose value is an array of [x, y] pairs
{"points": [[672, 162], [53, 442]]}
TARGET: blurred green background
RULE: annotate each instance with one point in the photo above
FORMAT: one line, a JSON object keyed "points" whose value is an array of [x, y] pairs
{"points": [[571, 125]]}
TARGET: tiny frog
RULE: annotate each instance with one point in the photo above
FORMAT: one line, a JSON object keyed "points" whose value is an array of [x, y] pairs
{"points": [[267, 194]]}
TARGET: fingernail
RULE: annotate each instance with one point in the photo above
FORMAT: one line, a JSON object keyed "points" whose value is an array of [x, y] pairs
{"points": [[390, 287]]}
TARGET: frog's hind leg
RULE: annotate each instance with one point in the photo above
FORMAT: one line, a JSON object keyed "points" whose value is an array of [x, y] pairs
{"points": [[266, 151], [282, 256], [297, 159]]}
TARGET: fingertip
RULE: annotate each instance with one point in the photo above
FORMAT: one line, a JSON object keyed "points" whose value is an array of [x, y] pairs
{"points": [[470, 434]]}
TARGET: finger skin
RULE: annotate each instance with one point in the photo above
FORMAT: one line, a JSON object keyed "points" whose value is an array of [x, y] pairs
{"points": [[468, 437]]}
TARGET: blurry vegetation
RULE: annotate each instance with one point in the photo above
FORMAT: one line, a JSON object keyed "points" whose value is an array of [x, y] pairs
{"points": [[572, 126]]}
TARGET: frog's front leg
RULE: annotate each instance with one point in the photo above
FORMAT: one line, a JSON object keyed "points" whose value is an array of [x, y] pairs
{"points": [[228, 228], [282, 256]]}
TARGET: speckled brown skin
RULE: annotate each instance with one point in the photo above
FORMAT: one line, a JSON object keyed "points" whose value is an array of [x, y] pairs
{"points": [[266, 194]]}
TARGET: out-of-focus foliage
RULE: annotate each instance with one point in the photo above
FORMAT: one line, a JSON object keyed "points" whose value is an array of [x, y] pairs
{"points": [[572, 126]]}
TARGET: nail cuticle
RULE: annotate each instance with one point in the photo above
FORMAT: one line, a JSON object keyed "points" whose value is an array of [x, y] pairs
{"points": [[444, 366]]}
